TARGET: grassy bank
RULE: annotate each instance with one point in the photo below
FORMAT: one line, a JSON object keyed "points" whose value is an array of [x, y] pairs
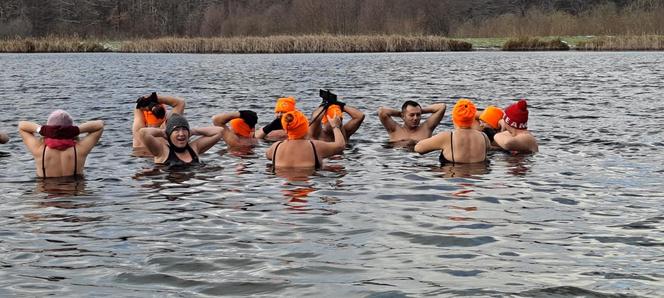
{"points": [[535, 44], [297, 44], [331, 44], [623, 43], [51, 45]]}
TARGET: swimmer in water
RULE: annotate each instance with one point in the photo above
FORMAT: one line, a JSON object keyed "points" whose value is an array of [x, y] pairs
{"points": [[60, 152], [464, 144], [411, 114], [516, 137], [322, 130], [151, 112], [299, 151], [488, 122], [242, 128], [274, 131], [171, 146]]}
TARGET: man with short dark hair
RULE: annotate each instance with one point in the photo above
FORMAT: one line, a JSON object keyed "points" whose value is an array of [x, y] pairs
{"points": [[411, 113]]}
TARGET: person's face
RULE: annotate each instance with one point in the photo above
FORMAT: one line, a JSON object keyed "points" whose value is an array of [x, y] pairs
{"points": [[180, 137], [278, 114], [411, 116]]}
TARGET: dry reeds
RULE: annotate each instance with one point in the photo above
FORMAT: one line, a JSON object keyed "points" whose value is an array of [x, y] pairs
{"points": [[297, 44], [534, 44], [623, 43], [50, 45]]}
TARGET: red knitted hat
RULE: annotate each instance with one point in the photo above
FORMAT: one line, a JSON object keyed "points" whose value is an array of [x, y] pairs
{"points": [[516, 115]]}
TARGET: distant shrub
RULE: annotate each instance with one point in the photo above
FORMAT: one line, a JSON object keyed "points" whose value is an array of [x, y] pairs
{"points": [[623, 43], [297, 44], [535, 44], [50, 44]]}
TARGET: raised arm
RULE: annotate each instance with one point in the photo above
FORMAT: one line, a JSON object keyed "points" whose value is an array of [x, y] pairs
{"points": [[326, 149], [94, 130], [222, 118], [433, 143], [139, 121], [175, 102], [151, 138], [228, 135], [261, 133], [437, 112], [27, 131], [385, 115], [4, 138], [209, 136], [315, 122], [356, 119]]}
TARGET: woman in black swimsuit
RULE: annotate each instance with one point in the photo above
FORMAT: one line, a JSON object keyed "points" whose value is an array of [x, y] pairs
{"points": [[171, 146], [60, 149], [464, 144], [298, 151]]}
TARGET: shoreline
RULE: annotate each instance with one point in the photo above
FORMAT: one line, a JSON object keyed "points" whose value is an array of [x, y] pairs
{"points": [[332, 44]]}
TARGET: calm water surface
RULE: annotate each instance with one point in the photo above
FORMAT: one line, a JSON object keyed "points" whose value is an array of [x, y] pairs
{"points": [[585, 216]]}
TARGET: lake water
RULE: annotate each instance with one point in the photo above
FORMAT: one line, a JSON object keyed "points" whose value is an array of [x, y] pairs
{"points": [[585, 216]]}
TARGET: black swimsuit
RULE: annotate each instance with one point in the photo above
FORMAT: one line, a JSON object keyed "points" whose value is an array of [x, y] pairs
{"points": [[317, 164], [44, 161], [444, 160], [174, 161]]}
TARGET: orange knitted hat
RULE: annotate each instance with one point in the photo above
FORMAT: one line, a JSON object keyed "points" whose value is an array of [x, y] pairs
{"points": [[492, 115], [240, 127], [295, 124], [285, 105], [463, 113], [333, 110]]}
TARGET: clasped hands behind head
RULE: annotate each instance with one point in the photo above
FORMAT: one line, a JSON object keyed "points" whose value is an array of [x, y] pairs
{"points": [[151, 103], [147, 101], [329, 99]]}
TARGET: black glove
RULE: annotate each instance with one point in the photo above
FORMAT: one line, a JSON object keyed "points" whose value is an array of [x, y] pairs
{"points": [[249, 117], [274, 125], [328, 97], [339, 103], [147, 101], [142, 102]]}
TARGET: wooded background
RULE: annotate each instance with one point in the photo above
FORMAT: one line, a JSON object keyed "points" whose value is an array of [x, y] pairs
{"points": [[118, 19]]}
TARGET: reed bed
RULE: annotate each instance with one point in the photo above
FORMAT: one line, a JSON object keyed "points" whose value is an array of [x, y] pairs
{"points": [[297, 44], [50, 45], [535, 44], [623, 43]]}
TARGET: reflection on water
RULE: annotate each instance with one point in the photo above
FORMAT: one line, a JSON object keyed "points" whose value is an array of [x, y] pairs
{"points": [[458, 170], [61, 186], [518, 164], [582, 217]]}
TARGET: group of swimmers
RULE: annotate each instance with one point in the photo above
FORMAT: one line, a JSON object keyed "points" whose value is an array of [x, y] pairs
{"points": [[299, 142]]}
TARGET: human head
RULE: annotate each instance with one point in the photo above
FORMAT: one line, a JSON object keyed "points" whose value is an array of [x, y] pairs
{"points": [[158, 111], [332, 111], [177, 132], [411, 113], [463, 113], [241, 128], [295, 124], [284, 105], [60, 118], [491, 116], [516, 115]]}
